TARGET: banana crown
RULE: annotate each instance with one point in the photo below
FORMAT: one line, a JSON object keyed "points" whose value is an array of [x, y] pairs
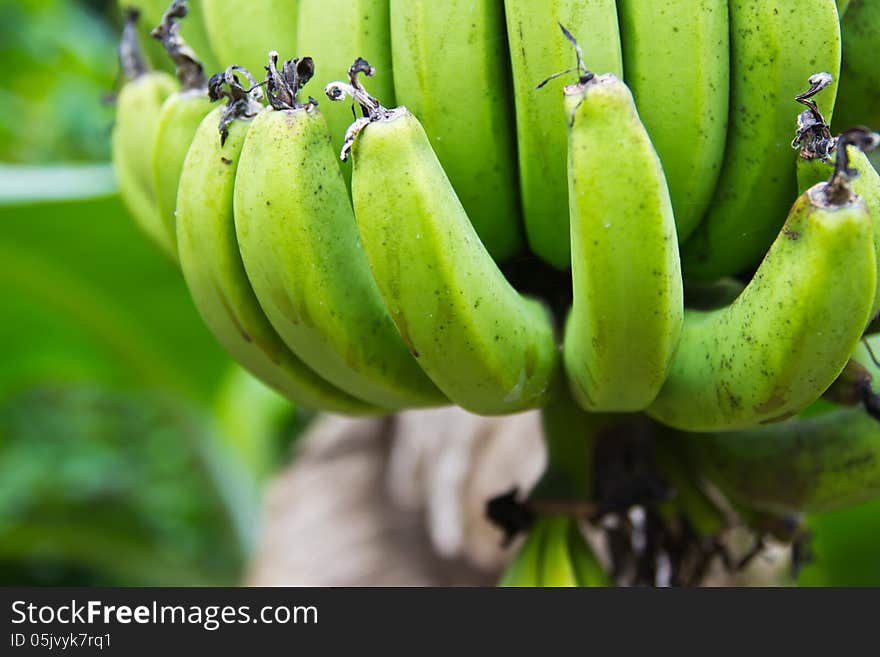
{"points": [[371, 108]]}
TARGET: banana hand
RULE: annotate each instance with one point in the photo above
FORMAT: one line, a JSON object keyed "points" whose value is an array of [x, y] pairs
{"points": [[488, 349], [213, 270], [300, 246]]}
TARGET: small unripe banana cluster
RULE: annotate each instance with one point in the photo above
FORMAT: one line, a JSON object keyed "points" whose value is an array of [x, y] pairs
{"points": [[637, 252]]}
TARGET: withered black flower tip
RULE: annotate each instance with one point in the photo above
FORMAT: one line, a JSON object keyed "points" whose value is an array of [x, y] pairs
{"points": [[215, 87]]}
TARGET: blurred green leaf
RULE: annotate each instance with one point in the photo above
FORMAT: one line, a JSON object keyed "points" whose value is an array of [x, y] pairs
{"points": [[59, 66], [124, 484], [845, 547], [256, 423], [87, 298]]}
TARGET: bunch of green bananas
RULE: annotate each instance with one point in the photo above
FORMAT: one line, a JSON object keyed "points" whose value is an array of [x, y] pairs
{"points": [[642, 242]]}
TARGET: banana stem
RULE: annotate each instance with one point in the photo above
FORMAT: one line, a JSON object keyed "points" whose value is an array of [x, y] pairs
{"points": [[189, 69], [571, 435]]}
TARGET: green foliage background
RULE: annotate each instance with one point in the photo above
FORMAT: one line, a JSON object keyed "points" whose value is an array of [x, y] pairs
{"points": [[131, 448]]}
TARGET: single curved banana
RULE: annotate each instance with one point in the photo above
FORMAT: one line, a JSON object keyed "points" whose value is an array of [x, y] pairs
{"points": [[243, 32], [785, 339], [438, 49], [684, 107], [212, 266], [626, 318], [822, 463], [859, 96], [774, 47], [300, 246], [535, 53], [812, 168], [333, 33], [490, 350], [137, 110], [179, 117], [587, 569], [555, 566]]}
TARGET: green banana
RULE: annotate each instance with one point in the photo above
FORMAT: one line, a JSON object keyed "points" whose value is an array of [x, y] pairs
{"points": [[555, 565], [242, 32], [774, 47], [524, 569], [554, 554], [859, 96], [567, 560], [134, 133], [436, 46], [626, 318], [684, 108], [542, 141], [587, 569], [785, 339], [299, 243], [333, 33], [212, 266], [866, 184], [842, 7], [179, 117], [487, 348], [814, 465]]}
